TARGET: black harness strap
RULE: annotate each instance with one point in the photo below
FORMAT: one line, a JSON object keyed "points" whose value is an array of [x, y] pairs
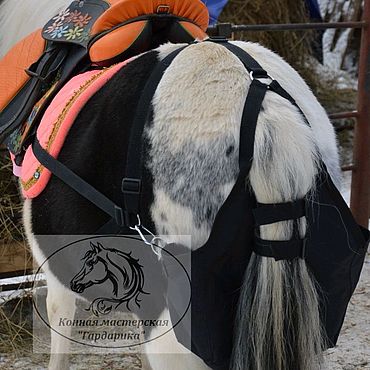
{"points": [[131, 184], [257, 72], [276, 87], [78, 184], [252, 108], [266, 214]]}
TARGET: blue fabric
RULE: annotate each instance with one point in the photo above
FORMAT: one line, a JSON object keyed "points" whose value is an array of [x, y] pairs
{"points": [[314, 9], [215, 8]]}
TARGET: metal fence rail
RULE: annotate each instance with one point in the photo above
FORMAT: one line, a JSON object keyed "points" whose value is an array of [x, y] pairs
{"points": [[360, 186]]}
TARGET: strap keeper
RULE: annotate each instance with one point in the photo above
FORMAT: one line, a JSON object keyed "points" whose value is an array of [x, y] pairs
{"points": [[131, 186], [131, 189]]}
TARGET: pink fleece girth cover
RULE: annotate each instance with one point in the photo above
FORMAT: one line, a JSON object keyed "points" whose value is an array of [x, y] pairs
{"points": [[56, 123]]}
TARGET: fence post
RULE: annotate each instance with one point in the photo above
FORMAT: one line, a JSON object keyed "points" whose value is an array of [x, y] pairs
{"points": [[360, 189]]}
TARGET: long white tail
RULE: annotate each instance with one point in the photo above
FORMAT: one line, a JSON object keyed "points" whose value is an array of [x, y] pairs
{"points": [[278, 323]]}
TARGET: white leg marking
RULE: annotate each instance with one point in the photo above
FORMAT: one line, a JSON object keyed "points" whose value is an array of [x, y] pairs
{"points": [[60, 304]]}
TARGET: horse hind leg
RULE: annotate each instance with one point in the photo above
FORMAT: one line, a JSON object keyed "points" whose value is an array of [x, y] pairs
{"points": [[61, 304]]}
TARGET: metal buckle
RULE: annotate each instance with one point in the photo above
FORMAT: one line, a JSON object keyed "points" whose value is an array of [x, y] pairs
{"points": [[163, 9], [260, 77]]}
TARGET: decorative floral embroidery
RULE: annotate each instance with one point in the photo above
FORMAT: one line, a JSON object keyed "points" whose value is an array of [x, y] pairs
{"points": [[73, 16], [70, 25], [85, 35], [53, 27], [83, 20], [59, 32], [74, 33], [61, 17]]}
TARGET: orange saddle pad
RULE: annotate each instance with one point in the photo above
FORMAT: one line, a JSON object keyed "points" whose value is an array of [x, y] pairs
{"points": [[12, 67]]}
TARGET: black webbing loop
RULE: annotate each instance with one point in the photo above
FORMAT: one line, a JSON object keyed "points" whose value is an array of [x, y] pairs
{"points": [[131, 184], [78, 184], [280, 249], [266, 214]]}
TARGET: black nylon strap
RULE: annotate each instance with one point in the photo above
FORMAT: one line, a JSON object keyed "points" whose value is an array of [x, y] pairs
{"points": [[78, 184], [249, 62], [131, 184], [252, 108], [280, 249], [276, 87], [266, 214]]}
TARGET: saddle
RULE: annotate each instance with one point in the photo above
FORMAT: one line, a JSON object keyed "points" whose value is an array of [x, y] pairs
{"points": [[91, 33]]}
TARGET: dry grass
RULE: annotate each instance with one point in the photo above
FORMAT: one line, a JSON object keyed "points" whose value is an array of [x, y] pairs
{"points": [[10, 204], [16, 326]]}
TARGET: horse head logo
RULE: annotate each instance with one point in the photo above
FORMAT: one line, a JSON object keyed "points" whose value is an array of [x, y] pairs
{"points": [[121, 269]]}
